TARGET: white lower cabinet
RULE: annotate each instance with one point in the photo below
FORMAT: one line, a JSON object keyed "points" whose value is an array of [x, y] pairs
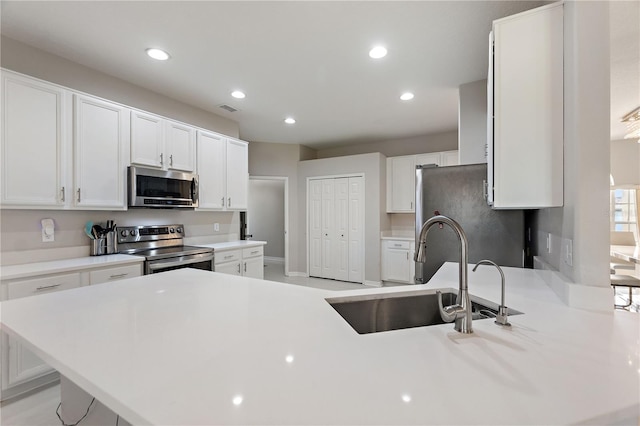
{"points": [[397, 261], [248, 262], [21, 369]]}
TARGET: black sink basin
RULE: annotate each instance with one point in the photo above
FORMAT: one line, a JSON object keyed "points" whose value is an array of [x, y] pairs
{"points": [[393, 311]]}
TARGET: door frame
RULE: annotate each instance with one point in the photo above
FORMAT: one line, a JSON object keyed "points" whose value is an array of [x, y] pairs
{"points": [[284, 179], [364, 231]]}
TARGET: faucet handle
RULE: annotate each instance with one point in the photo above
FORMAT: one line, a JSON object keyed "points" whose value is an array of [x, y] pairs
{"points": [[437, 213]]}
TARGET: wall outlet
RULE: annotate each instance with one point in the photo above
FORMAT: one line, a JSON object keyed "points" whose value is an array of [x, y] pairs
{"points": [[216, 227], [48, 230], [548, 243], [568, 251]]}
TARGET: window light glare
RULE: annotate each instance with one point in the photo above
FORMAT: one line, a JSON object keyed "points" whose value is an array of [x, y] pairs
{"points": [[378, 52], [238, 94], [158, 54], [237, 400], [289, 120], [406, 96]]}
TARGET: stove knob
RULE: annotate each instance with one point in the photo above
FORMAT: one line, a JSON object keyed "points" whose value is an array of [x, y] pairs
{"points": [[179, 230], [171, 230], [133, 233], [123, 233]]}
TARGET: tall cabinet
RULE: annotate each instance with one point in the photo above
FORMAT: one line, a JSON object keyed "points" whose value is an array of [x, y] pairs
{"points": [[336, 228], [525, 103]]}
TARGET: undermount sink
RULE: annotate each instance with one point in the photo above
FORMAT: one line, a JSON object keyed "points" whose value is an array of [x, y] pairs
{"points": [[393, 311]]}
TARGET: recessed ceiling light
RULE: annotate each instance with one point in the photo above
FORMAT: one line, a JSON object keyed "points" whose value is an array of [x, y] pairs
{"points": [[158, 54], [378, 52], [407, 96], [289, 120], [238, 94]]}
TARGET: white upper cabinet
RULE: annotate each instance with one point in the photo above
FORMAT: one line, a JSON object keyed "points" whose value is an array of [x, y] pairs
{"points": [[525, 94], [161, 143], [401, 177], [180, 143], [223, 169], [237, 174], [101, 145], [147, 139], [35, 143], [211, 171]]}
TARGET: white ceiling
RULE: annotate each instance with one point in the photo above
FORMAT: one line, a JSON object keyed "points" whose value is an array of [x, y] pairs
{"points": [[305, 59]]}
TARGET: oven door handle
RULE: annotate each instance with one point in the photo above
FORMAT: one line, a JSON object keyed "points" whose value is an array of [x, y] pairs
{"points": [[182, 260]]}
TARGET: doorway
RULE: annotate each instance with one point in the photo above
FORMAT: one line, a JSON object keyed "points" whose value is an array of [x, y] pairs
{"points": [[268, 217]]}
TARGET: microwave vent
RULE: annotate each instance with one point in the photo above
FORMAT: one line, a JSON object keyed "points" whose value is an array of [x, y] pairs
{"points": [[228, 108]]}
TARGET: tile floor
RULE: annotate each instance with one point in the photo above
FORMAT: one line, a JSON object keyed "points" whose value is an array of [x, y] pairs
{"points": [[38, 408]]}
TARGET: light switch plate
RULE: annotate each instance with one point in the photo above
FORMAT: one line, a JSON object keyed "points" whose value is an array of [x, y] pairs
{"points": [[48, 230], [216, 227]]}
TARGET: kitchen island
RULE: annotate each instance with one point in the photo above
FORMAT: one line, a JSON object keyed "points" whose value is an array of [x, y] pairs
{"points": [[195, 347]]}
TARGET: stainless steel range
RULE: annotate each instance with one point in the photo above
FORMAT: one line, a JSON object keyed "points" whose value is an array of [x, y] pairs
{"points": [[163, 248]]}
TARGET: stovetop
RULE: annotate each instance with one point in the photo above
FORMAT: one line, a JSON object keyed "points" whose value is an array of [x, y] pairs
{"points": [[155, 241]]}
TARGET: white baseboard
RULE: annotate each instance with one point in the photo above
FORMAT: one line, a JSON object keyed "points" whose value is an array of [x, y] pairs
{"points": [[298, 274], [573, 294], [373, 283], [271, 259]]}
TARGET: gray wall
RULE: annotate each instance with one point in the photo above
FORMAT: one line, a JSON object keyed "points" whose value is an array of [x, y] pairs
{"points": [[472, 122], [625, 162], [373, 167], [26, 59], [446, 141], [585, 215], [265, 214], [279, 159]]}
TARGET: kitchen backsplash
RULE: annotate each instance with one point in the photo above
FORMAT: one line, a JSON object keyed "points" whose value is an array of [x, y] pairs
{"points": [[21, 229]]}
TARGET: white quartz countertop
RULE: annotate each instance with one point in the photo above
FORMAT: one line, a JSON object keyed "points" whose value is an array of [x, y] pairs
{"points": [[397, 237], [66, 265], [192, 347], [230, 245]]}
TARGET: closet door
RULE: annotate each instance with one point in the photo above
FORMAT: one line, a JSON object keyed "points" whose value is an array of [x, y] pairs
{"points": [[356, 229], [328, 230], [341, 235], [315, 228]]}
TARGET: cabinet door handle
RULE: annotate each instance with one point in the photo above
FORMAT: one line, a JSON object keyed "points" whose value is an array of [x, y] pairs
{"points": [[411, 206], [229, 203], [78, 194], [171, 160], [62, 194], [238, 268], [407, 255], [162, 159], [245, 266], [397, 245], [230, 256], [255, 252], [222, 201], [47, 287], [113, 277]]}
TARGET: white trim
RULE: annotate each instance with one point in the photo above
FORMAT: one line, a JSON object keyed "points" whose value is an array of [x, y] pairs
{"points": [[298, 274], [575, 295], [373, 283], [284, 179], [271, 259]]}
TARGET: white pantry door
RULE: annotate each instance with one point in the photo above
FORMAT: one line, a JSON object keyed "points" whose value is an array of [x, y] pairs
{"points": [[336, 228]]}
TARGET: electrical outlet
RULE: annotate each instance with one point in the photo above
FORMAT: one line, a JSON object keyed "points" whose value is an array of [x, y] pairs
{"points": [[548, 243], [568, 252], [216, 227]]}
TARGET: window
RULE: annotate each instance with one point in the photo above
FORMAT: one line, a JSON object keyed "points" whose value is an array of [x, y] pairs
{"points": [[624, 214]]}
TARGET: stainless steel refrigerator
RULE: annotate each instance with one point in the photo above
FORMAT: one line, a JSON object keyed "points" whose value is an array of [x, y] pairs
{"points": [[458, 192]]}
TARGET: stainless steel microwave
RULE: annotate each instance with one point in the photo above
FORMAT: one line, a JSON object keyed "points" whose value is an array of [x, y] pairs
{"points": [[161, 188]]}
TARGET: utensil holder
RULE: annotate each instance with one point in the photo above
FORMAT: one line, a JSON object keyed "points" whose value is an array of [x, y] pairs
{"points": [[98, 247], [112, 243]]}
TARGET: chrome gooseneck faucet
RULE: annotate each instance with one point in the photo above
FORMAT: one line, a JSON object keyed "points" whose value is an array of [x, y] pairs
{"points": [[461, 311], [502, 317]]}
